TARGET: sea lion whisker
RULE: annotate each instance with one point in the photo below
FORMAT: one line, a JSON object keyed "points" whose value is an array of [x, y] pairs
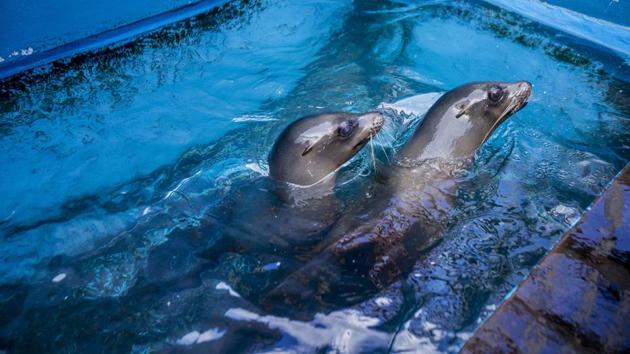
{"points": [[372, 150], [384, 152], [389, 142], [389, 134], [392, 139]]}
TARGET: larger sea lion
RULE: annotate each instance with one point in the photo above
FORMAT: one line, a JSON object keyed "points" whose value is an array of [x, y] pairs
{"points": [[412, 206]]}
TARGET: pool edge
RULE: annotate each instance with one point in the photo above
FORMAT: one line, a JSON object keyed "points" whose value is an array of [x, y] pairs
{"points": [[116, 36], [576, 298]]}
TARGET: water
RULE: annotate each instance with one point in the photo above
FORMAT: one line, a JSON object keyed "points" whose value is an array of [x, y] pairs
{"points": [[615, 11], [30, 27], [116, 168]]}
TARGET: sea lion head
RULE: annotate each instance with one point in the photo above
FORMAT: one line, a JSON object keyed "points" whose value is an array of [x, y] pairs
{"points": [[463, 119], [313, 147]]}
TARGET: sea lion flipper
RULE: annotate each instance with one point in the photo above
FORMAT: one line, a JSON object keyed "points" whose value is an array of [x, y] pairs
{"points": [[385, 269], [360, 237]]}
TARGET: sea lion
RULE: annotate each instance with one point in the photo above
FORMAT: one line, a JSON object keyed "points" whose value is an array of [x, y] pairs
{"points": [[412, 204], [303, 166], [280, 217], [310, 150]]}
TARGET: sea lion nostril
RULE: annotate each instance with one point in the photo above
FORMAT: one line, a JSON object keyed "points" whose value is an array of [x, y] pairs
{"points": [[377, 123], [525, 87], [374, 119]]}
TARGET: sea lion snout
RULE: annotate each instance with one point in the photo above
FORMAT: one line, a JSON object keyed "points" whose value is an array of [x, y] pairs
{"points": [[372, 121], [521, 92], [518, 94], [525, 86], [370, 124]]}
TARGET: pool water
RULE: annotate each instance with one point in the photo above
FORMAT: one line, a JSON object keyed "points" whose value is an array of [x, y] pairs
{"points": [[30, 27], [116, 169]]}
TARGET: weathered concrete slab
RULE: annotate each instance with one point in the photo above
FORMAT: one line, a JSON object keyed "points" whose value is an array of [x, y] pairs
{"points": [[578, 298]]}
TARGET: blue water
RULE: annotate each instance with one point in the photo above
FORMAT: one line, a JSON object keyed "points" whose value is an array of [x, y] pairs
{"points": [[615, 11], [114, 168], [29, 26]]}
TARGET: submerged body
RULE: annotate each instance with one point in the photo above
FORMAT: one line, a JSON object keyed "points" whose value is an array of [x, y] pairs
{"points": [[368, 251]]}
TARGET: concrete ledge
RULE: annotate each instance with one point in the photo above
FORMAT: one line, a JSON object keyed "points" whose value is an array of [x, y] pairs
{"points": [[577, 299]]}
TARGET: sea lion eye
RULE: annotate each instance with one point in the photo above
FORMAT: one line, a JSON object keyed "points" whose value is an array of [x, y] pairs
{"points": [[346, 129], [495, 93]]}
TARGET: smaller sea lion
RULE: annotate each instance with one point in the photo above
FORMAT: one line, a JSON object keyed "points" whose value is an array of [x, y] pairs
{"points": [[285, 215], [310, 150]]}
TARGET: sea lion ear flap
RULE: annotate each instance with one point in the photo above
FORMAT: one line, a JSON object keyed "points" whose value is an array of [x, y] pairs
{"points": [[308, 148], [461, 107]]}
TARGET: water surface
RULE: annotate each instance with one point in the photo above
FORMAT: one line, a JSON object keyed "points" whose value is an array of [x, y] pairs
{"points": [[115, 168]]}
